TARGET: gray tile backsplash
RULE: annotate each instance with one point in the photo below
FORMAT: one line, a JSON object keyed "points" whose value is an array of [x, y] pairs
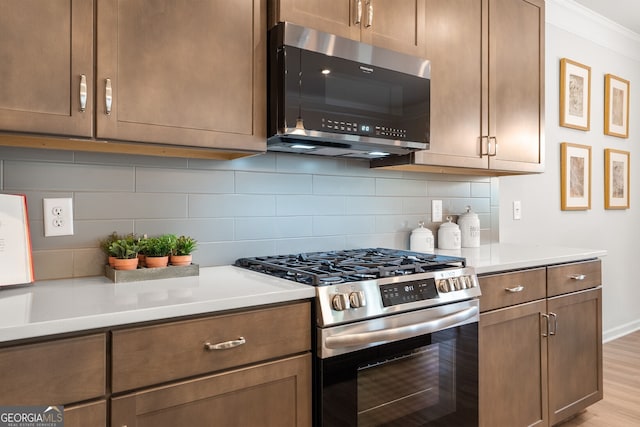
{"points": [[261, 205]]}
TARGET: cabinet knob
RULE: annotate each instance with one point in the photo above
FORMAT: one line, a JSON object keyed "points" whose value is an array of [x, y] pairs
{"points": [[578, 276]]}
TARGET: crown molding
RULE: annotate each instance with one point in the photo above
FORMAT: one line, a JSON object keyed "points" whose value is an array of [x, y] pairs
{"points": [[575, 18]]}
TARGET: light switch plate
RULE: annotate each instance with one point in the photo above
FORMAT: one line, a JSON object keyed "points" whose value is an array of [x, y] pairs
{"points": [[436, 211], [517, 210], [58, 217]]}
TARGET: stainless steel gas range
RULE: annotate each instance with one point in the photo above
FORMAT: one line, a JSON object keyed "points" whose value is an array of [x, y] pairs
{"points": [[396, 335]]}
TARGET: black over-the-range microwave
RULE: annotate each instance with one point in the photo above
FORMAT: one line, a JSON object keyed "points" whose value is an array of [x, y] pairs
{"points": [[332, 96]]}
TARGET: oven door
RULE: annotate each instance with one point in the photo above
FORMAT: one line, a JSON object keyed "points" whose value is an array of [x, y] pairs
{"points": [[428, 377]]}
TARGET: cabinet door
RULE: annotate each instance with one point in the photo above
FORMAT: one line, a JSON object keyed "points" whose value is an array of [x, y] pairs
{"points": [[513, 366], [46, 46], [397, 25], [575, 353], [516, 80], [275, 394], [456, 47], [331, 16], [185, 73]]}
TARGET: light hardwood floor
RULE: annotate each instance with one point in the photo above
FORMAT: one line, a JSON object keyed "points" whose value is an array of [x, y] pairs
{"points": [[621, 404]]}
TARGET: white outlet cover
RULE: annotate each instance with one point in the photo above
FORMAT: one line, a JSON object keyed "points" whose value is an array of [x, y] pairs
{"points": [[436, 211], [58, 217]]}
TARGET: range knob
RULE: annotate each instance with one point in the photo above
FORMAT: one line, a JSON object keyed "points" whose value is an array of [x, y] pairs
{"points": [[357, 299], [340, 302]]}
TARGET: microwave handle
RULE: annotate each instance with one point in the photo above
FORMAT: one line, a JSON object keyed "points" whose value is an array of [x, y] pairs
{"points": [[358, 8]]}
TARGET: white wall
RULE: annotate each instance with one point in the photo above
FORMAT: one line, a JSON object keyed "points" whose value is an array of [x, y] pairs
{"points": [[576, 33]]}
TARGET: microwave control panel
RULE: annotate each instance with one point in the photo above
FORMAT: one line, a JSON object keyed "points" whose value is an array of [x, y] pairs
{"points": [[364, 129]]}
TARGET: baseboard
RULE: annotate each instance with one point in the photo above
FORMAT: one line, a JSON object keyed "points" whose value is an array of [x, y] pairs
{"points": [[620, 331]]}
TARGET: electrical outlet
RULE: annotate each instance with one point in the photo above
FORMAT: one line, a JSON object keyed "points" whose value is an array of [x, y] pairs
{"points": [[436, 211], [517, 210], [58, 217]]}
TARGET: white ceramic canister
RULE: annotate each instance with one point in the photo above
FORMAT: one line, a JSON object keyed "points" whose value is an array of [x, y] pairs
{"points": [[449, 235], [421, 239], [469, 224]]}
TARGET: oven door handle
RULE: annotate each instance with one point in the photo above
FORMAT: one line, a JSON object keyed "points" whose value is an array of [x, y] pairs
{"points": [[402, 332]]}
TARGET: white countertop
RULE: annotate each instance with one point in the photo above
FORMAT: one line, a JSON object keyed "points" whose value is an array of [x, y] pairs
{"points": [[71, 305], [510, 256], [74, 305]]}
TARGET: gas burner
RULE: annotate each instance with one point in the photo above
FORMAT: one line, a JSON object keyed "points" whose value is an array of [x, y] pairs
{"points": [[332, 267]]}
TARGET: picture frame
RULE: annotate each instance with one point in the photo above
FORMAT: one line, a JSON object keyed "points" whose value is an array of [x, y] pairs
{"points": [[575, 173], [616, 106], [575, 95], [616, 178]]}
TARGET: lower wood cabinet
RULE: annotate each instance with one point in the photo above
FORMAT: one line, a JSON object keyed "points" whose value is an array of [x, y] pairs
{"points": [[274, 394], [575, 353], [513, 367], [92, 414], [248, 367], [55, 372], [540, 357]]}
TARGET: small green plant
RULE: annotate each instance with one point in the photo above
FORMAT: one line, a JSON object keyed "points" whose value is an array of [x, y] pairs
{"points": [[113, 237], [126, 248], [184, 246], [159, 246]]}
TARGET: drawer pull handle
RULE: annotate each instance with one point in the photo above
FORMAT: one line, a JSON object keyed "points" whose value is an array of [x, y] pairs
{"points": [[578, 276], [225, 345], [515, 290]]}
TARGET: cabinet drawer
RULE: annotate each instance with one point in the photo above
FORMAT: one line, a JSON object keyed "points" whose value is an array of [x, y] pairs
{"points": [[92, 414], [505, 289], [154, 354], [576, 276], [55, 372]]}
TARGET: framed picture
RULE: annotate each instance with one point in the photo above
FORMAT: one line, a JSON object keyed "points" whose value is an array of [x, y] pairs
{"points": [[575, 172], [616, 106], [575, 95], [616, 179]]}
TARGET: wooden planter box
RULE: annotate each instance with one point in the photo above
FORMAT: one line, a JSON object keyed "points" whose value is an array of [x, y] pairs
{"points": [[169, 272]]}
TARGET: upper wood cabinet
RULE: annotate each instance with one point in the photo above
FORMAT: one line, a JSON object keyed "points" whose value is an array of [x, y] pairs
{"points": [[397, 25], [487, 87], [182, 73], [46, 46]]}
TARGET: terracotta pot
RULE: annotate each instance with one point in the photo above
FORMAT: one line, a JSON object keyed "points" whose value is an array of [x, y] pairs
{"points": [[111, 260], [156, 261], [181, 259], [125, 264]]}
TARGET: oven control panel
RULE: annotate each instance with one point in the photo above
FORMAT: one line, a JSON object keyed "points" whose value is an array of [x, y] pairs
{"points": [[353, 301], [402, 293]]}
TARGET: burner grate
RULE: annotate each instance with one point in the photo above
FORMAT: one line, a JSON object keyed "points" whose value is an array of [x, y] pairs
{"points": [[331, 267]]}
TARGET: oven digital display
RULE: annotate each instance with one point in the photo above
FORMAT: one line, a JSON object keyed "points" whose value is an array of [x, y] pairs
{"points": [[401, 293]]}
